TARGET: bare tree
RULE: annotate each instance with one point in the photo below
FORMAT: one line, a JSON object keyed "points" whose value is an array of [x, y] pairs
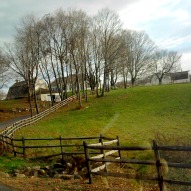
{"points": [[108, 26], [24, 55], [4, 68], [78, 48], [139, 50], [165, 62]]}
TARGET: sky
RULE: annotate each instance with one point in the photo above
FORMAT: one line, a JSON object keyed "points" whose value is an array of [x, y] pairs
{"points": [[167, 22]]}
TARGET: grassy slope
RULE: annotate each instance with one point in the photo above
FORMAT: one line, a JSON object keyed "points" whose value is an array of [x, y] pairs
{"points": [[135, 115]]}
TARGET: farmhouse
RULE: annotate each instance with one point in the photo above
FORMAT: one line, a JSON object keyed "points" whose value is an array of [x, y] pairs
{"points": [[44, 95], [71, 83], [177, 77], [20, 90]]}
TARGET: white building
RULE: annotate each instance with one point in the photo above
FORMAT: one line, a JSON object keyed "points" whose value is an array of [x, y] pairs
{"points": [[177, 77]]}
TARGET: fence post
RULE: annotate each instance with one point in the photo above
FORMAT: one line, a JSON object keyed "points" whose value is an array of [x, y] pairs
{"points": [[12, 143], [103, 152], [101, 141], [118, 144], [87, 162], [158, 166], [23, 143], [2, 144], [61, 148]]}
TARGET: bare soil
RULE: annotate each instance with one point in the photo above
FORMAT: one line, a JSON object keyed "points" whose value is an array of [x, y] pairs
{"points": [[6, 116], [99, 184]]}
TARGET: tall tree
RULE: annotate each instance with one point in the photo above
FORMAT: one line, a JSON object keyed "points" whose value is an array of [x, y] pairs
{"points": [[165, 62], [4, 68], [24, 55], [108, 26], [139, 50], [78, 48]]}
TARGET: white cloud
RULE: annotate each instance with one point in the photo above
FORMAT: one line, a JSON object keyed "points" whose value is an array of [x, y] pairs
{"points": [[144, 12], [168, 22], [186, 61]]}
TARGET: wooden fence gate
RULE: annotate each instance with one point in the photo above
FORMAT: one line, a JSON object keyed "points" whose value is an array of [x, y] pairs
{"points": [[158, 175], [104, 155]]}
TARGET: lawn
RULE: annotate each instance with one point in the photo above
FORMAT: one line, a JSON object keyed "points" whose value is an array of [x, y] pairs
{"points": [[10, 109], [136, 115]]}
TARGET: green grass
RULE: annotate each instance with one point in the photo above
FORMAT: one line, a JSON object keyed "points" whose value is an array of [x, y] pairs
{"points": [[9, 104], [8, 163], [135, 115]]}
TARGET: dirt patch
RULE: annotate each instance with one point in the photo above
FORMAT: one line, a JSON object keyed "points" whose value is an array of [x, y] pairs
{"points": [[100, 183], [6, 116]]}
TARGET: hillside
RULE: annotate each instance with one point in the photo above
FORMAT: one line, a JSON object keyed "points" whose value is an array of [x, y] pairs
{"points": [[10, 109], [136, 115]]}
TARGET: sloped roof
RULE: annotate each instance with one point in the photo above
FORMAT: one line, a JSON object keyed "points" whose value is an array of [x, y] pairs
{"points": [[18, 90], [69, 78], [179, 75], [16, 84]]}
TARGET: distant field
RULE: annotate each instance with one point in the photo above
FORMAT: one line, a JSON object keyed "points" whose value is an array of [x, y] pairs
{"points": [[7, 108], [10, 109], [136, 115]]}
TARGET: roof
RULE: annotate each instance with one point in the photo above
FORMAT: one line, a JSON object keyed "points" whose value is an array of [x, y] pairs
{"points": [[16, 84], [179, 75], [69, 78]]}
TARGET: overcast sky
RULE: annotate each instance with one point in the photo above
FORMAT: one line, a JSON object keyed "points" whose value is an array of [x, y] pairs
{"points": [[168, 22]]}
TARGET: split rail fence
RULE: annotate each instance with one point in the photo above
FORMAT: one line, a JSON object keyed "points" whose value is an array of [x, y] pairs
{"points": [[38, 147], [10, 130], [158, 163]]}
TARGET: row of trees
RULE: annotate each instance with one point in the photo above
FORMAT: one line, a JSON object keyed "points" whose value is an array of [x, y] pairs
{"points": [[70, 44]]}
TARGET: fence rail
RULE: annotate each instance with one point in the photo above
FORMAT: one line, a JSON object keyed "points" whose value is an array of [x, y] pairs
{"points": [[63, 146], [158, 163], [10, 130]]}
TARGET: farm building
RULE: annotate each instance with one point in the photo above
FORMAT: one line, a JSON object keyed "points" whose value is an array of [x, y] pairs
{"points": [[177, 77], [44, 95], [20, 90]]}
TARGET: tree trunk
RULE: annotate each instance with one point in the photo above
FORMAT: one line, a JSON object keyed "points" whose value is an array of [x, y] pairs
{"points": [[35, 101], [160, 81], [132, 81], [30, 102], [78, 91]]}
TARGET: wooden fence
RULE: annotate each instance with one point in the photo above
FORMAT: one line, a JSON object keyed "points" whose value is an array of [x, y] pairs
{"points": [[62, 146], [158, 163], [103, 155], [9, 131]]}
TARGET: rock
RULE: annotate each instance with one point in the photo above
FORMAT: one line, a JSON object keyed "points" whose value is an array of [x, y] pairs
{"points": [[77, 176], [59, 165], [66, 176], [42, 172], [13, 110], [36, 167], [20, 175], [4, 174], [58, 168], [28, 169], [16, 171], [46, 168], [57, 175], [35, 173]]}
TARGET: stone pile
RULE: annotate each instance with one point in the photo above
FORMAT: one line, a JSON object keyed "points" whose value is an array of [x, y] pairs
{"points": [[75, 169]]}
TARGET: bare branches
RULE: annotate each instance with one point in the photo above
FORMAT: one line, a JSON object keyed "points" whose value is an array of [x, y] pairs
{"points": [[4, 68], [166, 62], [75, 50], [139, 50]]}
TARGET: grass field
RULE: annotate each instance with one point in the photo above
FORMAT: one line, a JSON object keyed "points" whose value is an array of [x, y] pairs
{"points": [[10, 109], [136, 115]]}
